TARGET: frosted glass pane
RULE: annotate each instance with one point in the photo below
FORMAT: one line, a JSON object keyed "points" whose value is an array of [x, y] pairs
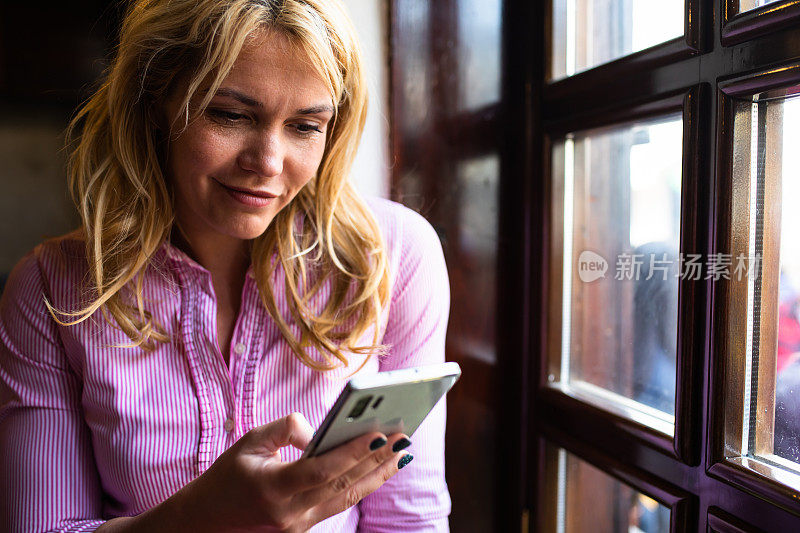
{"points": [[587, 33]]}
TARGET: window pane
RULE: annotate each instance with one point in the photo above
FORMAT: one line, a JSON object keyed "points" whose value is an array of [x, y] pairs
{"points": [[747, 5], [581, 498], [479, 47], [472, 243], [587, 33], [787, 394], [762, 427], [766, 164], [478, 179], [414, 29], [619, 190]]}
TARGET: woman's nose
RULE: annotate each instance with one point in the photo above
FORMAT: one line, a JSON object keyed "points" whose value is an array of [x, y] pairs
{"points": [[263, 155]]}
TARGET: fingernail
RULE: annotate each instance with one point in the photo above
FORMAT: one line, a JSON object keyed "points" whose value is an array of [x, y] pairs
{"points": [[401, 444], [377, 443], [407, 458]]}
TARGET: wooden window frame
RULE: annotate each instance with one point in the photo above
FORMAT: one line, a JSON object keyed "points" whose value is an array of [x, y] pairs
{"points": [[687, 45], [493, 459], [739, 27], [682, 505], [747, 474], [721, 522], [684, 444], [578, 100]]}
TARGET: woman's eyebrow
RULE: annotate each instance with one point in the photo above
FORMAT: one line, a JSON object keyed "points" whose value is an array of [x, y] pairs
{"points": [[236, 95], [315, 110], [252, 102]]}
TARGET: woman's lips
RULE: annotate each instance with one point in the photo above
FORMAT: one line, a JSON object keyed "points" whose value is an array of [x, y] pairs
{"points": [[249, 197]]}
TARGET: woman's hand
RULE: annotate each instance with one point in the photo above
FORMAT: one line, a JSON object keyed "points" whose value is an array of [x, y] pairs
{"points": [[249, 487]]}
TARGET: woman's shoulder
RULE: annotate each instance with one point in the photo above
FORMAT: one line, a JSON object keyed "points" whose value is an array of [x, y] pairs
{"points": [[52, 265], [404, 230], [414, 248], [63, 253]]}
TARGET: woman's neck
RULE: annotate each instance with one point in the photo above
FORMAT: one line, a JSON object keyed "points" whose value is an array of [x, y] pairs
{"points": [[225, 258]]}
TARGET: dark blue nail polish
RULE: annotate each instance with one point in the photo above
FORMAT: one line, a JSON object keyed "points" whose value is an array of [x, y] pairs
{"points": [[377, 443], [402, 444], [407, 458]]}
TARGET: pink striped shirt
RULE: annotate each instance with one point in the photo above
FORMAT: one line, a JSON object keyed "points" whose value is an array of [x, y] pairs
{"points": [[90, 432]]}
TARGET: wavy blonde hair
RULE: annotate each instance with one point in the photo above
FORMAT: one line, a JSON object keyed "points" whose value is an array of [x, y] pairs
{"points": [[117, 179]]}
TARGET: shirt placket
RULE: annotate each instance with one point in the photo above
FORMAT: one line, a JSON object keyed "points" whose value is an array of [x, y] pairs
{"points": [[212, 383], [238, 354], [197, 370], [223, 392], [253, 314]]}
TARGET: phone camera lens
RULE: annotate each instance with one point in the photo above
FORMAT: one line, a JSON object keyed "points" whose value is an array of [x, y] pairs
{"points": [[359, 408]]}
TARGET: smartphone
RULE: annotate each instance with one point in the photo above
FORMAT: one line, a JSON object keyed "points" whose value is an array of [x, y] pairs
{"points": [[390, 402]]}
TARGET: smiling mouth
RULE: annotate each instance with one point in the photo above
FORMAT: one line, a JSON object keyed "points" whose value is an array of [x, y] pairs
{"points": [[251, 192]]}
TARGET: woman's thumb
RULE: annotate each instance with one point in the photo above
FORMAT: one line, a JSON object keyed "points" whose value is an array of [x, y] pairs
{"points": [[292, 429]]}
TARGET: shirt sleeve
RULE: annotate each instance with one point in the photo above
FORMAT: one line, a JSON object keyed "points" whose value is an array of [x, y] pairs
{"points": [[49, 480], [416, 498]]}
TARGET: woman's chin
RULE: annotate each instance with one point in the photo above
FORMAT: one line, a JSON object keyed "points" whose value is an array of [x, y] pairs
{"points": [[249, 231]]}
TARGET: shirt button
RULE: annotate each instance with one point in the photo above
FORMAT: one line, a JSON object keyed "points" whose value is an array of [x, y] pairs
{"points": [[228, 425], [239, 348]]}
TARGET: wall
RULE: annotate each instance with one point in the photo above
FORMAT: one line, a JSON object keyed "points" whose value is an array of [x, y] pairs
{"points": [[371, 168]]}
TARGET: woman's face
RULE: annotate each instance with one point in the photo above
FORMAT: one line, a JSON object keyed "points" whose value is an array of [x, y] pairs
{"points": [[260, 140]]}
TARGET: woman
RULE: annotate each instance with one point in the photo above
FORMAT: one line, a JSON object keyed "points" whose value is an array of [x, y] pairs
{"points": [[163, 367]]}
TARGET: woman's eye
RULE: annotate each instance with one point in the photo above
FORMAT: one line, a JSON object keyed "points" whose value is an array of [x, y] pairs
{"points": [[307, 129], [226, 117]]}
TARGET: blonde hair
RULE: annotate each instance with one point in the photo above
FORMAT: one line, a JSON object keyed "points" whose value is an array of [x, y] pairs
{"points": [[118, 183]]}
